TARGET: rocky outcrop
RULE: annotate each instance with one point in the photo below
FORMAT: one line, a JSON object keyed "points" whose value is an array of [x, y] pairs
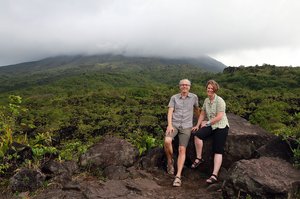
{"points": [[275, 148], [116, 172], [155, 158], [112, 155], [60, 172], [143, 185], [266, 177], [26, 180], [111, 151]]}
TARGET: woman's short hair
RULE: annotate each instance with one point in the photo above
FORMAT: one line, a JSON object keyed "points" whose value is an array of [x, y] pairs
{"points": [[214, 84]]}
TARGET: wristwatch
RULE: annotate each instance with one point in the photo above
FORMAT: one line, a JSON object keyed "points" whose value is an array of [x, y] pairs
{"points": [[208, 123]]}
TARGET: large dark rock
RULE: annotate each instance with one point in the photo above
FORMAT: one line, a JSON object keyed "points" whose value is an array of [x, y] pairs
{"points": [[265, 177], [59, 172], [110, 151], [116, 172], [275, 148], [242, 141], [155, 158], [26, 180], [53, 167]]}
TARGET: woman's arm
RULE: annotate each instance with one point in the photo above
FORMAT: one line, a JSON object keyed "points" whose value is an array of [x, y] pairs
{"points": [[217, 118]]}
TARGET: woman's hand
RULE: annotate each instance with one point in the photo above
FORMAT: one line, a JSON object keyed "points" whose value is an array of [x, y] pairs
{"points": [[195, 128], [203, 124]]}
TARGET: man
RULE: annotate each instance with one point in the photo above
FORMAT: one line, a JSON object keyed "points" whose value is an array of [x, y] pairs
{"points": [[180, 121]]}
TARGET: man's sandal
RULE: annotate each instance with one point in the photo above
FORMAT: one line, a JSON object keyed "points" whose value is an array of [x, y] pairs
{"points": [[177, 182], [197, 162], [170, 168], [213, 179]]}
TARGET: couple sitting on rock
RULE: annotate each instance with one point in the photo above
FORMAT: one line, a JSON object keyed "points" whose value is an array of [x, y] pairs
{"points": [[180, 121]]}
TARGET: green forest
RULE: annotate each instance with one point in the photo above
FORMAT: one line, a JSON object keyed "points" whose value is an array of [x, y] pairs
{"points": [[60, 112]]}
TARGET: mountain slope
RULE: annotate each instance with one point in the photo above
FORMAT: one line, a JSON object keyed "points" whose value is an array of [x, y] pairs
{"points": [[106, 69], [65, 62]]}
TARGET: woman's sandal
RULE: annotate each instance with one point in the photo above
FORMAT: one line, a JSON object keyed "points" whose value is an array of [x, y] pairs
{"points": [[197, 163], [177, 182], [213, 179]]}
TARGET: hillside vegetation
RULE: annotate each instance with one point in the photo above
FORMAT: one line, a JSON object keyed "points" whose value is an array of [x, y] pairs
{"points": [[53, 69], [62, 111]]}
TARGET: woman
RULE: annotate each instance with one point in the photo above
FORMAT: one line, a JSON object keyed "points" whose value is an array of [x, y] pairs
{"points": [[217, 126]]}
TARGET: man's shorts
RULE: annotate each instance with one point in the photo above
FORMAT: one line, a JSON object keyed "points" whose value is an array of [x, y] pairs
{"points": [[183, 135]]}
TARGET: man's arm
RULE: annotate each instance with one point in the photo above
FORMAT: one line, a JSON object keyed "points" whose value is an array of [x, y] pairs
{"points": [[201, 118], [170, 128], [197, 112]]}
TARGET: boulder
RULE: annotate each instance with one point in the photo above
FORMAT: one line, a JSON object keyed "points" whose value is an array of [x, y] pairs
{"points": [[154, 158], [266, 177], [116, 172], [59, 172], [277, 147], [53, 167], [26, 180], [110, 151]]}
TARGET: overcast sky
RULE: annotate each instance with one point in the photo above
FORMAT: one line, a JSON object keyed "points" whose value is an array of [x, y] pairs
{"points": [[235, 32]]}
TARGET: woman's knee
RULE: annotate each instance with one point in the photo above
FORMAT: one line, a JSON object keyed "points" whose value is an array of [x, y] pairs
{"points": [[197, 140], [217, 150]]}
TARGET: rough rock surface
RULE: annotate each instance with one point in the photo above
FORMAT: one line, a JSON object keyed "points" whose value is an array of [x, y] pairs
{"points": [[110, 151], [60, 172], [143, 185], [116, 173], [26, 180], [265, 177], [275, 148]]}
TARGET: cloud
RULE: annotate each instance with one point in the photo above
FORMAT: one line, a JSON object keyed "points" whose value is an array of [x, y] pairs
{"points": [[236, 32]]}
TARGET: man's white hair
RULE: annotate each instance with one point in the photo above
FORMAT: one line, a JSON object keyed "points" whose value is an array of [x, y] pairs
{"points": [[185, 80]]}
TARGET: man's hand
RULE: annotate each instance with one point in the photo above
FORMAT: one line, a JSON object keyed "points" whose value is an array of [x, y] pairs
{"points": [[169, 130]]}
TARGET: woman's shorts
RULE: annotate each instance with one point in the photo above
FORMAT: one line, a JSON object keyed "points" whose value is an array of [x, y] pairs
{"points": [[219, 137]]}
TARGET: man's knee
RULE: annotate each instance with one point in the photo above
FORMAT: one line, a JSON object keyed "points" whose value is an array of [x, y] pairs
{"points": [[168, 141], [182, 149]]}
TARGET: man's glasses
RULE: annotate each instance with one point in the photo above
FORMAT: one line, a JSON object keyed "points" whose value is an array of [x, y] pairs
{"points": [[184, 85]]}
